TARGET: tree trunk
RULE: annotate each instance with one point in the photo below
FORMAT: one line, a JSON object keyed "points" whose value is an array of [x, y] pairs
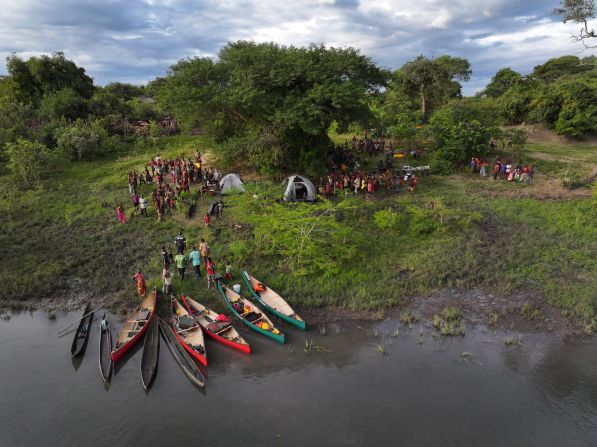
{"points": [[423, 105]]}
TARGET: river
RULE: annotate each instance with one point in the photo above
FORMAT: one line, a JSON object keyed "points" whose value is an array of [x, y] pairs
{"points": [[420, 391]]}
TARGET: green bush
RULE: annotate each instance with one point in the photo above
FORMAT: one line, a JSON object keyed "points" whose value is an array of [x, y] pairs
{"points": [[81, 140], [28, 160], [386, 219]]}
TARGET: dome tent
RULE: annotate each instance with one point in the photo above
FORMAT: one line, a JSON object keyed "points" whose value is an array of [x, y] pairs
{"points": [[299, 188], [231, 182]]}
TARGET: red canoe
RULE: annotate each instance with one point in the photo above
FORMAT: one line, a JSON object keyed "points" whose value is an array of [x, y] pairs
{"points": [[135, 326], [221, 331], [188, 332]]}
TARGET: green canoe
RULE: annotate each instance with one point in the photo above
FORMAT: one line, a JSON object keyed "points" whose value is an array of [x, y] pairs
{"points": [[273, 302], [255, 318]]}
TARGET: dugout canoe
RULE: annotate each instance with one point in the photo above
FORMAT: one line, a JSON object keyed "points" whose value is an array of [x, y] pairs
{"points": [[273, 302], [135, 326], [184, 360], [151, 354], [221, 331], [250, 314], [105, 350], [188, 332], [82, 333]]}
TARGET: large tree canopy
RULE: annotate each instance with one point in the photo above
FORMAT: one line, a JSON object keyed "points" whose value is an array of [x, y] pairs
{"points": [[38, 76], [277, 102], [433, 81]]}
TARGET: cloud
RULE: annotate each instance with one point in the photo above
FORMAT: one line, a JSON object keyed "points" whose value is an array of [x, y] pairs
{"points": [[137, 40]]}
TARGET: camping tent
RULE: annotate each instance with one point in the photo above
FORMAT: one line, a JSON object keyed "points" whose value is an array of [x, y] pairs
{"points": [[299, 188], [230, 182]]}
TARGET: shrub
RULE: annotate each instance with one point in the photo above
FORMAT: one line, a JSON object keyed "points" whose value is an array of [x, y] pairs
{"points": [[27, 160], [81, 140], [386, 219]]}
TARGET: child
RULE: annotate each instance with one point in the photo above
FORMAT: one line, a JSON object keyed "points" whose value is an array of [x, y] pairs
{"points": [[228, 270], [167, 279], [211, 272], [206, 219]]}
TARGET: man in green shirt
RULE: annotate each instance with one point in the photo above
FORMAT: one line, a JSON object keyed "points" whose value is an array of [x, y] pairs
{"points": [[195, 258], [181, 261]]}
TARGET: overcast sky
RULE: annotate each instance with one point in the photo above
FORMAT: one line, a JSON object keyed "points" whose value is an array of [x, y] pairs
{"points": [[137, 40]]}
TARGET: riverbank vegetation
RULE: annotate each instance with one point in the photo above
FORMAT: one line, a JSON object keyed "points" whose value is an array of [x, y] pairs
{"points": [[266, 110]]}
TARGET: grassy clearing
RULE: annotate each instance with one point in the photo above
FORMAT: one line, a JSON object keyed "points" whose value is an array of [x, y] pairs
{"points": [[456, 232]]}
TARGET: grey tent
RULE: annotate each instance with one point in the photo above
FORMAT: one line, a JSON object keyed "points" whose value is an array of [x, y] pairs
{"points": [[299, 188], [231, 182]]}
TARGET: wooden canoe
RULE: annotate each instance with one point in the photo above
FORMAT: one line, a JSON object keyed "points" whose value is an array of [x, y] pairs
{"points": [[184, 360], [135, 326], [151, 353], [250, 314], [190, 335], [222, 332], [105, 350], [273, 302], [82, 333]]}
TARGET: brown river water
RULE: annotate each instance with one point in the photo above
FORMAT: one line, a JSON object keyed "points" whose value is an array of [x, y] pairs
{"points": [[422, 391]]}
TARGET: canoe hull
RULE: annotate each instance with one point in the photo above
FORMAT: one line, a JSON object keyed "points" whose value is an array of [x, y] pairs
{"points": [[80, 343], [191, 351], [117, 354], [105, 349], [181, 357], [301, 324], [244, 348], [280, 338], [151, 353]]}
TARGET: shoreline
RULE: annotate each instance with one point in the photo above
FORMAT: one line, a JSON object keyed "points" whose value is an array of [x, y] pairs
{"points": [[523, 311]]}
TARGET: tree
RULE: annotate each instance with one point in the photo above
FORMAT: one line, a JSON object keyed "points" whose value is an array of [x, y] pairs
{"points": [[434, 80], [579, 11], [41, 75], [266, 99], [81, 140], [501, 82], [27, 160], [558, 67]]}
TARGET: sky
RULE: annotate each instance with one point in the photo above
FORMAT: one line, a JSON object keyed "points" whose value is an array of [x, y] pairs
{"points": [[137, 40]]}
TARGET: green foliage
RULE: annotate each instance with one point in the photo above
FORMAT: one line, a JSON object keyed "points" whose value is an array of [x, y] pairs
{"points": [[501, 82], [28, 161], [81, 140], [463, 141], [272, 99], [558, 67], [432, 81], [386, 219], [65, 103], [39, 76], [515, 103]]}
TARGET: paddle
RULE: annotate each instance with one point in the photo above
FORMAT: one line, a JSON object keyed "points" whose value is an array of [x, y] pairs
{"points": [[75, 322]]}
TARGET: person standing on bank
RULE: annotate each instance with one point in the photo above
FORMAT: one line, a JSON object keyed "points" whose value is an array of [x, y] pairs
{"points": [[204, 250], [195, 259], [181, 262], [181, 243]]}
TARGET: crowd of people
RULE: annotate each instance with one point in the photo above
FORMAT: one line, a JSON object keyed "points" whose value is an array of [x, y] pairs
{"points": [[360, 182], [503, 170], [172, 180]]}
